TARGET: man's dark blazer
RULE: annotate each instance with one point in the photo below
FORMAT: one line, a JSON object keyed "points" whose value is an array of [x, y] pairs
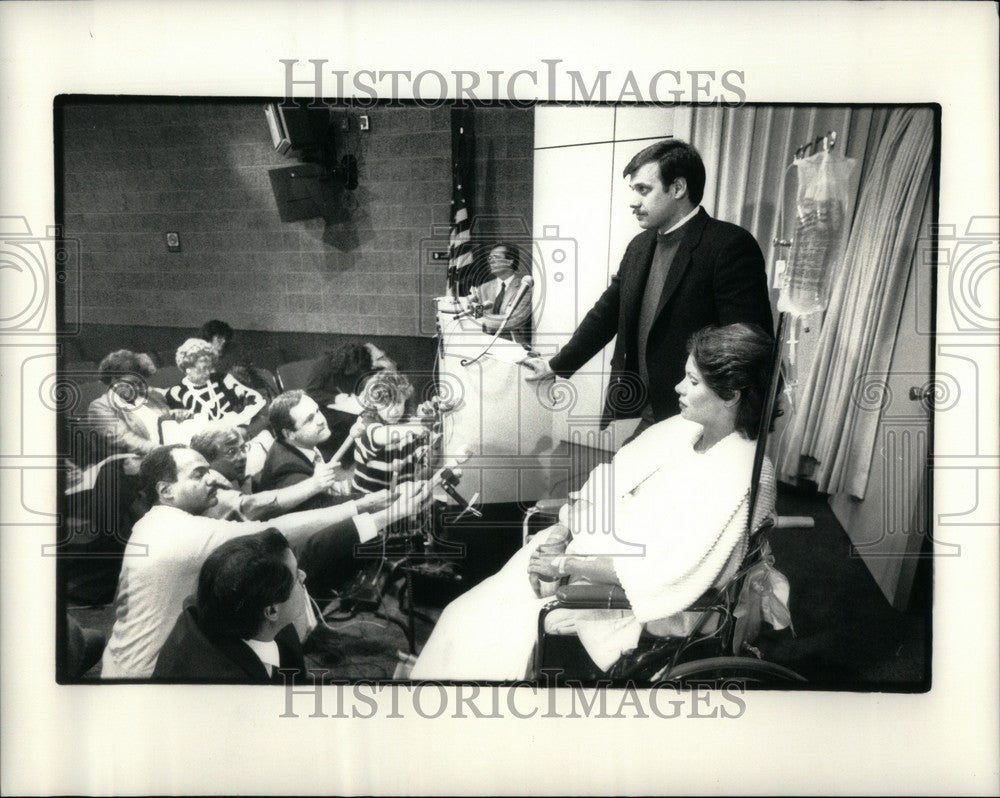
{"points": [[191, 655], [284, 465], [717, 277], [326, 557]]}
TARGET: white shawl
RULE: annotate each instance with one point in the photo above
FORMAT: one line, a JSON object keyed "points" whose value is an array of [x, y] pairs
{"points": [[670, 518]]}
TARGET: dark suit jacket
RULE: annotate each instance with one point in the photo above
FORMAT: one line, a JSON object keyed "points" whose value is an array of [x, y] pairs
{"points": [[190, 654], [284, 465], [717, 277]]}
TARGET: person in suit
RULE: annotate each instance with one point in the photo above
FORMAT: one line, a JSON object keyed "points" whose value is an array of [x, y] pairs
{"points": [[239, 625], [171, 542], [500, 294], [129, 413], [299, 428], [685, 271]]}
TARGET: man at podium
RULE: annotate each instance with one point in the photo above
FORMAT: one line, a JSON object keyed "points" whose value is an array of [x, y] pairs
{"points": [[503, 294]]}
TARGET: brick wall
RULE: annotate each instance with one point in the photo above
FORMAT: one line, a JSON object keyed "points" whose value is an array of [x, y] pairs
{"points": [[133, 171]]}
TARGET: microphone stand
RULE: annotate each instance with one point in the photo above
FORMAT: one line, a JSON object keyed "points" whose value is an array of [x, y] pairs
{"points": [[525, 285]]}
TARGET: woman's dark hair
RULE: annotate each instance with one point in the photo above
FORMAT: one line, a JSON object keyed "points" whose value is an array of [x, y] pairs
{"points": [[239, 580], [350, 365], [737, 357], [124, 361], [216, 327]]}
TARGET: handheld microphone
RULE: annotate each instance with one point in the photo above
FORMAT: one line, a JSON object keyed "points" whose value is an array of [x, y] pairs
{"points": [[348, 441], [526, 282], [449, 479]]}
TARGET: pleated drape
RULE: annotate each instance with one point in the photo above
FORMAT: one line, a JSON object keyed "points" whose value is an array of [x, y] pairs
{"points": [[747, 153], [836, 418]]}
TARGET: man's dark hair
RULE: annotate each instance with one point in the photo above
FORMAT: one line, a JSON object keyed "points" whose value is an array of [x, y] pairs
{"points": [[676, 158], [158, 466], [216, 327], [734, 358], [279, 414], [239, 580]]}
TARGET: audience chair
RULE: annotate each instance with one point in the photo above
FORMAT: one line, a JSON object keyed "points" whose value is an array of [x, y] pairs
{"points": [[295, 375], [165, 377], [82, 366], [265, 357], [99, 513]]}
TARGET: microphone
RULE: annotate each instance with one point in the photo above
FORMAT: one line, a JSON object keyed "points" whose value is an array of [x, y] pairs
{"points": [[526, 282], [347, 443], [448, 480]]}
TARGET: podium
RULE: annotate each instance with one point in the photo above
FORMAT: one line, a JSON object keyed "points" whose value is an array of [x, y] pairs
{"points": [[505, 422]]}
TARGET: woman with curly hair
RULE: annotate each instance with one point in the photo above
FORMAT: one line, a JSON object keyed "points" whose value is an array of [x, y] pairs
{"points": [[129, 413], [207, 394], [386, 451]]}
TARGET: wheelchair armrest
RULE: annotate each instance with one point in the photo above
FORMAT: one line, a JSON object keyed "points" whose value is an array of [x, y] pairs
{"points": [[549, 506], [592, 597]]}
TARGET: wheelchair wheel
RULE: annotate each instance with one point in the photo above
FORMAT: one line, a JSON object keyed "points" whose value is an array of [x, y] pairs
{"points": [[719, 671]]}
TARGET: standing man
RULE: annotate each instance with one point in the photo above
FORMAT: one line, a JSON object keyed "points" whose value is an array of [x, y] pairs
{"points": [[500, 294], [685, 270]]}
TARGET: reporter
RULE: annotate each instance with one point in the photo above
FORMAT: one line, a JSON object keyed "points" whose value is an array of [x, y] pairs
{"points": [[175, 537]]}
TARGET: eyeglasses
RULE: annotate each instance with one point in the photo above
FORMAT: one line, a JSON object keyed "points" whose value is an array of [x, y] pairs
{"points": [[501, 258], [232, 451]]}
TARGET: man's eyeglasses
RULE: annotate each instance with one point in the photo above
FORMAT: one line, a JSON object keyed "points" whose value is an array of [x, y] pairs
{"points": [[232, 451]]}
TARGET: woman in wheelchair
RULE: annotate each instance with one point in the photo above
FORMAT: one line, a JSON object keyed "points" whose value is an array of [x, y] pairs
{"points": [[665, 520]]}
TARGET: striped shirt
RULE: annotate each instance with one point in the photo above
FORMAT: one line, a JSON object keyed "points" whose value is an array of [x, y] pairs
{"points": [[374, 463]]}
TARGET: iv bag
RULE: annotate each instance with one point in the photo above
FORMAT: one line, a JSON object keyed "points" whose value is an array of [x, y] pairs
{"points": [[820, 232]]}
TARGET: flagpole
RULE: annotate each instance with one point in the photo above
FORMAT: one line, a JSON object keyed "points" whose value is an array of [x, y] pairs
{"points": [[463, 164]]}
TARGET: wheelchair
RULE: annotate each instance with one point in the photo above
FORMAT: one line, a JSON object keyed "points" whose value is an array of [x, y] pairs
{"points": [[709, 644]]}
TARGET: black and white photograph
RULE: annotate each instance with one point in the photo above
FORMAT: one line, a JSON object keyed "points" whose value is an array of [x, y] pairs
{"points": [[422, 307], [394, 400]]}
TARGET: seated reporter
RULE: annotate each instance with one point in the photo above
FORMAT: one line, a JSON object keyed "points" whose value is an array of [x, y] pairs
{"points": [[206, 393], [239, 627], [129, 413], [225, 450], [677, 499], [170, 542], [299, 428]]}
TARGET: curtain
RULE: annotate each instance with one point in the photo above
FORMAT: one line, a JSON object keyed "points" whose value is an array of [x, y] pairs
{"points": [[747, 153], [835, 422]]}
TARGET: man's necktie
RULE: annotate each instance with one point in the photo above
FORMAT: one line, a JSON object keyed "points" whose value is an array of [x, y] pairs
{"points": [[498, 302]]}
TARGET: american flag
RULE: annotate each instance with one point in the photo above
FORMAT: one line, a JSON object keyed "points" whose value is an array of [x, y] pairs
{"points": [[462, 155]]}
